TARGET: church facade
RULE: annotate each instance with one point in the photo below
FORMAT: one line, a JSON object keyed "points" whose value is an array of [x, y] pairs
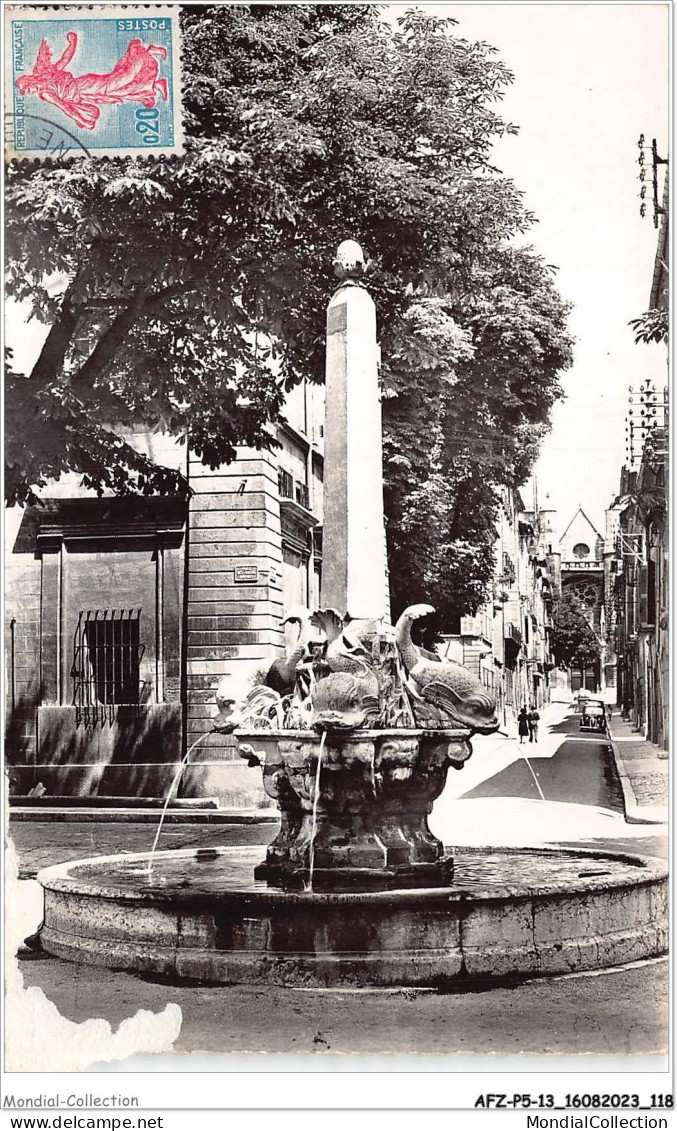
{"points": [[584, 572]]}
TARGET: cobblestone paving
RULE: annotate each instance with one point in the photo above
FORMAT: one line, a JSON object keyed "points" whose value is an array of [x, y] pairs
{"points": [[649, 789], [646, 769]]}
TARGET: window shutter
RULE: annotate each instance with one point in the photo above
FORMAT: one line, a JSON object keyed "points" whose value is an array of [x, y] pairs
{"points": [[651, 592], [643, 594]]}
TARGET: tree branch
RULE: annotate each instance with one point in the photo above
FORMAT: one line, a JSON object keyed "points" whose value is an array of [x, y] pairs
{"points": [[112, 338], [58, 340], [109, 342], [152, 302], [175, 291]]}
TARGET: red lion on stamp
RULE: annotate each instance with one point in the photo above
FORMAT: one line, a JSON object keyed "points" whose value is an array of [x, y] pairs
{"points": [[134, 78]]}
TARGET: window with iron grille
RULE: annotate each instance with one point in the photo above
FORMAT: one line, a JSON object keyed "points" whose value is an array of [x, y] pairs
{"points": [[107, 656], [302, 495], [285, 483]]}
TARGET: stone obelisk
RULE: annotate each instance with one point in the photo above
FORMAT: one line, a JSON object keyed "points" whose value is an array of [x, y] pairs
{"points": [[354, 566]]}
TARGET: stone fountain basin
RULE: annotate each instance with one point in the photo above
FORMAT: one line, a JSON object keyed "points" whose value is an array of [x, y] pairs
{"points": [[508, 913], [356, 732], [400, 746], [354, 804]]}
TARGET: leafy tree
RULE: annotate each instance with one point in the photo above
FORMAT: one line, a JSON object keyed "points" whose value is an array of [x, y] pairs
{"points": [[653, 326], [572, 639], [197, 286], [473, 426]]}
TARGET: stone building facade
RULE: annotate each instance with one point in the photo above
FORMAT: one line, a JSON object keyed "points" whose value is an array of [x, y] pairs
{"points": [[507, 642], [640, 585], [638, 545], [124, 614]]}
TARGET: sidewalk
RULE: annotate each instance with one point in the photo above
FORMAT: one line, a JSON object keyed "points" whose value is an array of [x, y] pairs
{"points": [[643, 770]]}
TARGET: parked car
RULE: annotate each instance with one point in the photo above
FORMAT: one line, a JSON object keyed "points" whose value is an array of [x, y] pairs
{"points": [[593, 715]]}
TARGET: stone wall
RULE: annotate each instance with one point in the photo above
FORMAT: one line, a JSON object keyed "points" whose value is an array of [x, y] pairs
{"points": [[233, 610], [109, 560], [211, 605], [22, 646]]}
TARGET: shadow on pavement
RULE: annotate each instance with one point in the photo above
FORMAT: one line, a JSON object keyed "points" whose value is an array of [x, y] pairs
{"points": [[568, 725], [583, 773]]}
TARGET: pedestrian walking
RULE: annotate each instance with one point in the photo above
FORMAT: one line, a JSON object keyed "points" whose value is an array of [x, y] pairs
{"points": [[523, 723], [533, 719]]}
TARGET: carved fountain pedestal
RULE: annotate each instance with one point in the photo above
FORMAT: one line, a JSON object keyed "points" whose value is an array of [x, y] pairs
{"points": [[363, 821]]}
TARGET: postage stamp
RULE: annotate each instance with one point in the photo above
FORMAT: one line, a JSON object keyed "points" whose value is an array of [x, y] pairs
{"points": [[101, 81]]}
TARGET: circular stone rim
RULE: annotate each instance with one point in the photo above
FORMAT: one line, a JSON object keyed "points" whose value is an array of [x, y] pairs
{"points": [[58, 878], [430, 937], [357, 735]]}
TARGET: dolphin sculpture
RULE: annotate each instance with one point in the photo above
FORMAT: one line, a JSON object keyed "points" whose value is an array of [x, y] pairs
{"points": [[456, 693], [281, 675]]}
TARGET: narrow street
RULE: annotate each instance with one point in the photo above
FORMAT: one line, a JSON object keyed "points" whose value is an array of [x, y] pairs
{"points": [[563, 789], [581, 770]]}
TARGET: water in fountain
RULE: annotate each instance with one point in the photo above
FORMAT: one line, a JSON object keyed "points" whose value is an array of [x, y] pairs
{"points": [[316, 798], [182, 764]]}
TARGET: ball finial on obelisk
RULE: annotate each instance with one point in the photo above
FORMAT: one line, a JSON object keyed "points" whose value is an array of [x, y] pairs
{"points": [[349, 262], [354, 567]]}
